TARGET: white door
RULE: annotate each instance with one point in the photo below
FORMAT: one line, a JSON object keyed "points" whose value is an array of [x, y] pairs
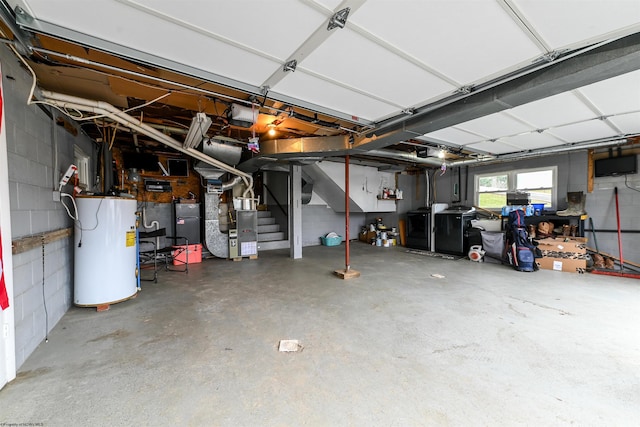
{"points": [[7, 328]]}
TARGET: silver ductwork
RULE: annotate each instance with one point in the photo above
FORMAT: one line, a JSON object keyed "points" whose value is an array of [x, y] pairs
{"points": [[404, 156], [216, 241], [226, 153]]}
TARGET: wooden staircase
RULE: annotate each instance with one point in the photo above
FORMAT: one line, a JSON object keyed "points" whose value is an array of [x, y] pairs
{"points": [[269, 234]]}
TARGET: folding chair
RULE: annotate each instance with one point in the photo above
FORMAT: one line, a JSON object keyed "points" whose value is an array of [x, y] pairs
{"points": [[175, 254], [150, 253]]}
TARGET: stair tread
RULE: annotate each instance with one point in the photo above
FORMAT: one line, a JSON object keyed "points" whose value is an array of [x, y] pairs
{"points": [[268, 228], [273, 244], [265, 237]]}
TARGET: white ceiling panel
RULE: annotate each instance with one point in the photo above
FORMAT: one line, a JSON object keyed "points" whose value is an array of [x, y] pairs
{"points": [[130, 27], [492, 147], [495, 125], [585, 131], [379, 72], [454, 136], [318, 91], [532, 141], [391, 55], [569, 22], [465, 40], [255, 29], [554, 111], [627, 123], [618, 95], [329, 4]]}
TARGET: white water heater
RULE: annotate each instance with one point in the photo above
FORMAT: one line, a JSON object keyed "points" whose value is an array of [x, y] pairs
{"points": [[105, 250]]}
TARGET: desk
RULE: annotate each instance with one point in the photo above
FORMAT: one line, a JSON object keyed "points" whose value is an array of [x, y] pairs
{"points": [[555, 219]]}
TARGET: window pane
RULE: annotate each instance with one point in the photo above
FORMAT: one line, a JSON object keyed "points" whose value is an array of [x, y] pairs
{"points": [[492, 200], [537, 179], [541, 196], [493, 183]]}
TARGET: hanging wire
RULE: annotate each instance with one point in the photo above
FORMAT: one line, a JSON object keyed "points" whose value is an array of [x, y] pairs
{"points": [[628, 186], [44, 299]]}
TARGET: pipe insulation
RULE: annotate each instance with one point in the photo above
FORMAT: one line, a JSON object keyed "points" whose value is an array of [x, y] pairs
{"points": [[103, 108]]}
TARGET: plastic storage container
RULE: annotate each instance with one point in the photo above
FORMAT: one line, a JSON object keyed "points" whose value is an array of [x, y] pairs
{"points": [[331, 240], [538, 208], [181, 251]]}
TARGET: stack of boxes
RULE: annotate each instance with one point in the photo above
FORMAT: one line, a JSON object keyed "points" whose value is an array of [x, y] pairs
{"points": [[563, 254]]}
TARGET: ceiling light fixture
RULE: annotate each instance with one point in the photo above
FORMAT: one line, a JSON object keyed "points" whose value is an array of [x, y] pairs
{"points": [[200, 124], [272, 129], [339, 19], [441, 154]]}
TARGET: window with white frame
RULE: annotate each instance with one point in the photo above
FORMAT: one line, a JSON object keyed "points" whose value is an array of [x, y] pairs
{"points": [[540, 183], [81, 160]]}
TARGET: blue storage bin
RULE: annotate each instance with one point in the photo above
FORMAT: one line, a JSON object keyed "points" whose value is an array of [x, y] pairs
{"points": [[331, 241]]}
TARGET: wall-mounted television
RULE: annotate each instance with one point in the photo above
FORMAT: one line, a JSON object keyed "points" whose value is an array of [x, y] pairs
{"points": [[614, 166], [178, 167], [143, 161]]}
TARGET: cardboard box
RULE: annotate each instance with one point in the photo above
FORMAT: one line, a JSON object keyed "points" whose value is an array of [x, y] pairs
{"points": [[567, 254], [562, 264], [561, 244], [180, 254], [367, 236]]}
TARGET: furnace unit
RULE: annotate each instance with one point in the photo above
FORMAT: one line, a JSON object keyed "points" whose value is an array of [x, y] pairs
{"points": [[247, 231]]}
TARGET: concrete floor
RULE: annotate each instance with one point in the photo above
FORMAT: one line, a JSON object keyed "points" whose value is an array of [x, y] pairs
{"points": [[485, 345]]}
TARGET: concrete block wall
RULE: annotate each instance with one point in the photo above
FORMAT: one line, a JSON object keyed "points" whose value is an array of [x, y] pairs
{"points": [[572, 176], [35, 298], [319, 220], [39, 152], [601, 208]]}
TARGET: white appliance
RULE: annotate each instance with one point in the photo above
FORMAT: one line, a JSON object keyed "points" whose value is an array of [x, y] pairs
{"points": [[105, 250]]}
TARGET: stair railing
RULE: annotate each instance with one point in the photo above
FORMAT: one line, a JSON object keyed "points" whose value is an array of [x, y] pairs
{"points": [[284, 211]]}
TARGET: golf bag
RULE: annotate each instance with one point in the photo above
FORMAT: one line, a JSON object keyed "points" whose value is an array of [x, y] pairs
{"points": [[520, 252]]}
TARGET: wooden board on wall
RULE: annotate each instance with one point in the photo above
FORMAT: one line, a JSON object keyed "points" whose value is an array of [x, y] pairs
{"points": [[180, 185]]}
